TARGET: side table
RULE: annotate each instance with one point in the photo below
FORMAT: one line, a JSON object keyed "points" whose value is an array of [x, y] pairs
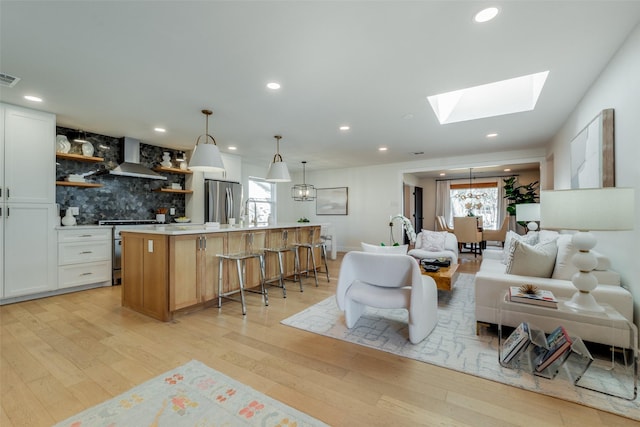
{"points": [[608, 377]]}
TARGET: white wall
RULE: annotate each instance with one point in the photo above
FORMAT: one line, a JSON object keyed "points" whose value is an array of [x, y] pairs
{"points": [[618, 87]]}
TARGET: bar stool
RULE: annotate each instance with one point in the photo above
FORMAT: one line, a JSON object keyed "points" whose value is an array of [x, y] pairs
{"points": [[307, 239], [246, 250], [279, 245]]}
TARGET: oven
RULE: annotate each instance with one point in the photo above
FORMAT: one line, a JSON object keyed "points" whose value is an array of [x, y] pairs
{"points": [[118, 226]]}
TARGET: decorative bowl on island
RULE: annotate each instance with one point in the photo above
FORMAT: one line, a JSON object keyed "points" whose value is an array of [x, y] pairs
{"points": [[182, 219]]}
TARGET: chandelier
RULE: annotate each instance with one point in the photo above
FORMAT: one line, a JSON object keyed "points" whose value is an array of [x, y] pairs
{"points": [[472, 200], [303, 192]]}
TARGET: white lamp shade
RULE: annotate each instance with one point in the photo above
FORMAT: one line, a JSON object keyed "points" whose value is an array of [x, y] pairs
{"points": [[607, 208], [206, 158], [528, 212], [278, 172]]}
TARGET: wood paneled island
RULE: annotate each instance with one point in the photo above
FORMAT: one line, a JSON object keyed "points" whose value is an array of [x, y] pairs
{"points": [[169, 269]]}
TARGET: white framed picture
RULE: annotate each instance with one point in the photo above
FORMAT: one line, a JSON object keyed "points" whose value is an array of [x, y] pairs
{"points": [[332, 201]]}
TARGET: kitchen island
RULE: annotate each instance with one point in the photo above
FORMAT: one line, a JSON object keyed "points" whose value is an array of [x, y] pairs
{"points": [[170, 269]]}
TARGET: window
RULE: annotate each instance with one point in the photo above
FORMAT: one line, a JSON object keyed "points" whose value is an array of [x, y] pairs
{"points": [[478, 199], [261, 201]]}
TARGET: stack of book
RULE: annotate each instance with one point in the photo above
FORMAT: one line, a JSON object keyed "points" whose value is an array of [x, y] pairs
{"points": [[558, 343], [516, 342], [541, 297]]}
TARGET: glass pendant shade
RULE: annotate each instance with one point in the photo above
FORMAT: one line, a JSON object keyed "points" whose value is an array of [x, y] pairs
{"points": [[278, 171], [303, 192], [206, 157]]}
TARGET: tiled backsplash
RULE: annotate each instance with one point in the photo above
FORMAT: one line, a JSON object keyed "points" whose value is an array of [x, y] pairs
{"points": [[120, 197]]}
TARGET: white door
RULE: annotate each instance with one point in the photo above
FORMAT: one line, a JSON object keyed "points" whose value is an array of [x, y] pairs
{"points": [[29, 249]]}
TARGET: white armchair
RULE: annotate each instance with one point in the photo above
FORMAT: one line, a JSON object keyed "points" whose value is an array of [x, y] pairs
{"points": [[387, 281], [450, 249]]}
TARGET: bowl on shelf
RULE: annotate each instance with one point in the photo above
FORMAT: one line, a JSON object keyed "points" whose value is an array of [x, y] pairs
{"points": [[182, 219]]}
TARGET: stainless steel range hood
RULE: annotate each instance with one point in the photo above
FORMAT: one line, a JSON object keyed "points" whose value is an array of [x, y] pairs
{"points": [[131, 165]]}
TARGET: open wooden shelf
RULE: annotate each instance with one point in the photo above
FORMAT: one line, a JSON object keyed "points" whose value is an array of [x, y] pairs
{"points": [[79, 157], [78, 184], [172, 170], [171, 190]]}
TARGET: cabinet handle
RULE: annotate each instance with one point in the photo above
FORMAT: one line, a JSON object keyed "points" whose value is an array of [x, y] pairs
{"points": [[204, 242], [86, 235], [86, 252], [8, 193], [86, 274]]}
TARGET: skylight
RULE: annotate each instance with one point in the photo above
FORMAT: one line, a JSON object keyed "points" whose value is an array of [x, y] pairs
{"points": [[489, 100]]}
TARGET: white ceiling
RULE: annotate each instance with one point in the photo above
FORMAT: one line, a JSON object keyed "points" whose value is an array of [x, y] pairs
{"points": [[124, 67]]}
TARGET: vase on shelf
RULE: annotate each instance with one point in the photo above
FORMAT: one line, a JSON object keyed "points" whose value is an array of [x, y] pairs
{"points": [[166, 160], [68, 219]]}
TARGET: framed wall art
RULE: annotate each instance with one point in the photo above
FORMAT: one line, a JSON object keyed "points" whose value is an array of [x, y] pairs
{"points": [[332, 201], [592, 153]]}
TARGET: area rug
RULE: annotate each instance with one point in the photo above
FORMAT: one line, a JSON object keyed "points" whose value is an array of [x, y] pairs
{"points": [[191, 395], [454, 345]]}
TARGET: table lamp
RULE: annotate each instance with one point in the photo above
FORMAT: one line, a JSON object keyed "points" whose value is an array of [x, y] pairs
{"points": [[529, 213], [585, 210]]}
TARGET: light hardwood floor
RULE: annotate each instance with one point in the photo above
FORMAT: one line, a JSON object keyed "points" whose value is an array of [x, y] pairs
{"points": [[63, 354]]}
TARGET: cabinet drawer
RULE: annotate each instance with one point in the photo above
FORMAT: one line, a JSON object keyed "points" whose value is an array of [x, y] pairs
{"points": [[83, 274], [84, 235], [73, 253]]}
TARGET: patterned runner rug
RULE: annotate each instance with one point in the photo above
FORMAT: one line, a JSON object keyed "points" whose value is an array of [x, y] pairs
{"points": [[454, 344], [191, 395]]}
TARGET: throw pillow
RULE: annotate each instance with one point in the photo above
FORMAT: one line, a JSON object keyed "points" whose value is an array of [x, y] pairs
{"points": [[564, 268], [535, 261], [529, 238], [433, 241]]}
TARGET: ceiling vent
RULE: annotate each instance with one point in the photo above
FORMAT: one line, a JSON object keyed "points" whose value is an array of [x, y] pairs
{"points": [[7, 80]]}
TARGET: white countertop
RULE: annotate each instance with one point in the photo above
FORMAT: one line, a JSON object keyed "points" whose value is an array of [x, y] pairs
{"points": [[178, 229]]}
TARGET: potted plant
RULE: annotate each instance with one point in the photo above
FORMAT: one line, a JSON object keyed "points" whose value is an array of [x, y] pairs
{"points": [[519, 194]]}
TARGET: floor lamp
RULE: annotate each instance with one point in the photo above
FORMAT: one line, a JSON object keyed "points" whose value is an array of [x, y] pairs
{"points": [[585, 210]]}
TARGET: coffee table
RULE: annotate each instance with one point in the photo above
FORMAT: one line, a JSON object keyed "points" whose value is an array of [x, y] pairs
{"points": [[445, 277]]}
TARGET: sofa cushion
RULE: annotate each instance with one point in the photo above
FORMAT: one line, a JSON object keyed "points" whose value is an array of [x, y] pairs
{"points": [[530, 239], [433, 240], [564, 268], [536, 261]]}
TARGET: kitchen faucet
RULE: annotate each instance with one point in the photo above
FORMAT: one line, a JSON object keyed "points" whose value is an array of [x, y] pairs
{"points": [[255, 210]]}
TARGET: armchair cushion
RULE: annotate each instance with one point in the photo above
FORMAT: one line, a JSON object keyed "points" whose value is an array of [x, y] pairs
{"points": [[432, 240]]}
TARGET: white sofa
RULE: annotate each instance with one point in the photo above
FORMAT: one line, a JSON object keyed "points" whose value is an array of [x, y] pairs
{"points": [[492, 282], [450, 249]]}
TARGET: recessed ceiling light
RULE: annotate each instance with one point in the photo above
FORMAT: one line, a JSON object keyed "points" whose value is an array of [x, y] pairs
{"points": [[486, 14], [32, 98], [382, 149], [232, 147], [443, 174], [489, 100], [345, 127], [492, 135], [507, 170], [161, 130], [273, 85]]}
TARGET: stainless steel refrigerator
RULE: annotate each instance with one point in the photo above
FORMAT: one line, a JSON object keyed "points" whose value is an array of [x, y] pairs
{"points": [[223, 200]]}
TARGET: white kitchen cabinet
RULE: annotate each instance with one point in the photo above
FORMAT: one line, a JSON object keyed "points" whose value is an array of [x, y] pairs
{"points": [[232, 169], [84, 256], [29, 156], [27, 202], [29, 249]]}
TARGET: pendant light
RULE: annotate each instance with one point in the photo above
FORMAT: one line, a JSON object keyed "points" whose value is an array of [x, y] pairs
{"points": [[278, 171], [303, 192], [206, 157]]}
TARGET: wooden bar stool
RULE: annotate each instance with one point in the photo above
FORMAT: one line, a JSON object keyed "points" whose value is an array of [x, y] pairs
{"points": [[279, 245], [246, 250]]}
